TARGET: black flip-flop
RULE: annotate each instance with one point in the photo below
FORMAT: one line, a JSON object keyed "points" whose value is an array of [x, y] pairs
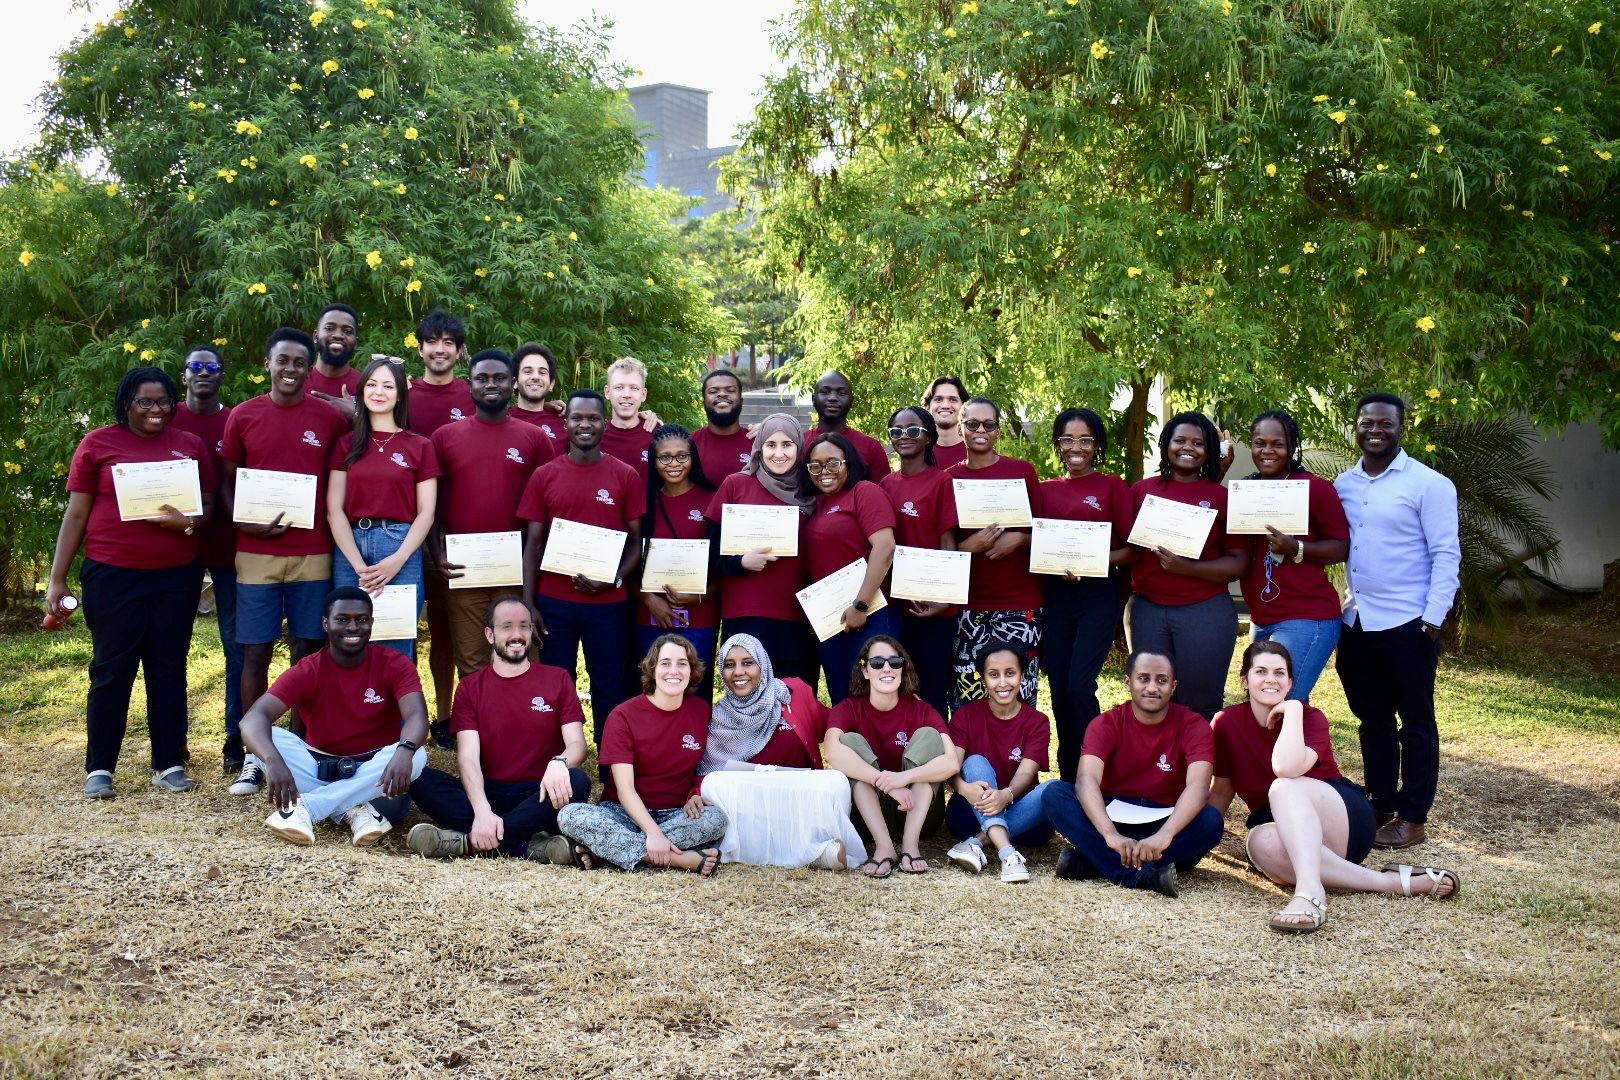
{"points": [[885, 868], [708, 853], [907, 860]]}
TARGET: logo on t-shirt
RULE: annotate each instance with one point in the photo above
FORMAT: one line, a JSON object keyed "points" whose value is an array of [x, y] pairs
{"points": [[909, 509], [742, 459], [549, 433], [219, 447], [1204, 503], [644, 455], [901, 739], [538, 704], [605, 497], [835, 509], [1091, 501], [399, 459], [694, 515], [513, 455], [1164, 763], [457, 414], [372, 697], [689, 743], [310, 439], [181, 454], [783, 723], [1017, 754]]}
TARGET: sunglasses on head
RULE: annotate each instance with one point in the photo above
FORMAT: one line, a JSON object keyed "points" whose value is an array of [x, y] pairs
{"points": [[878, 663], [208, 367]]}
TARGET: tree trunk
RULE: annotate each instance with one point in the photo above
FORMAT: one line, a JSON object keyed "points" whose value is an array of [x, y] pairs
{"points": [[1136, 416]]}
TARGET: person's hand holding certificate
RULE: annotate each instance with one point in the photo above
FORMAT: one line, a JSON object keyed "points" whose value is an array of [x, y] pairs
{"points": [[745, 527], [1177, 527], [393, 613], [580, 550], [263, 495], [678, 565], [144, 488], [983, 503], [1252, 505], [930, 575], [826, 601], [487, 559], [1059, 546]]}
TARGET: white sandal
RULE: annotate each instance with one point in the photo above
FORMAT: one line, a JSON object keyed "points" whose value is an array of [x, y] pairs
{"points": [[1317, 916], [1435, 875]]}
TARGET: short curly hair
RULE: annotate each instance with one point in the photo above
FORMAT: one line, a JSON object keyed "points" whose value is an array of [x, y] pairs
{"points": [[649, 664]]}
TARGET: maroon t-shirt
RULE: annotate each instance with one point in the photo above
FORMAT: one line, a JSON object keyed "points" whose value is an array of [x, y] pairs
{"points": [[871, 452], [382, 483], [519, 719], [321, 383], [136, 545], [1004, 584], [1158, 584], [767, 593], [629, 445], [1006, 743], [664, 747], [1243, 752], [802, 724], [1148, 761], [838, 532], [948, 457], [722, 455], [349, 710], [1300, 590], [492, 462], [550, 424], [888, 733], [681, 518], [924, 508], [259, 434], [432, 407], [606, 493], [1094, 497], [219, 535]]}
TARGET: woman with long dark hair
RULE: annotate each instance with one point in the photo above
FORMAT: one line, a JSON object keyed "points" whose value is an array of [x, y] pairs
{"points": [[678, 492]]}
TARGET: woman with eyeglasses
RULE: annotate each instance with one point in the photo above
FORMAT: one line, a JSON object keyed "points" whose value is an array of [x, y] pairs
{"points": [[1004, 598], [139, 579], [895, 750], [678, 492], [852, 520], [1181, 608], [924, 517], [757, 594], [381, 493], [1286, 586], [1082, 613]]}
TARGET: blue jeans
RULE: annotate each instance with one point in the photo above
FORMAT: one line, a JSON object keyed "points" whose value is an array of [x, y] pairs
{"points": [[1310, 642], [376, 544], [838, 653], [1063, 809], [705, 639], [224, 578], [330, 800], [1024, 820], [604, 631]]}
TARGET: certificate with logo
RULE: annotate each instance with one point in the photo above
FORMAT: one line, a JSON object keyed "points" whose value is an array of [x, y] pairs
{"points": [[982, 503], [1178, 527], [393, 613], [825, 602], [1059, 546], [588, 551], [1285, 505], [144, 487], [744, 527], [261, 494], [487, 560], [682, 565], [931, 575]]}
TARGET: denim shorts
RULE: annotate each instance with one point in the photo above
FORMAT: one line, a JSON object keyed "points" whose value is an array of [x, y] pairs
{"points": [[272, 587]]}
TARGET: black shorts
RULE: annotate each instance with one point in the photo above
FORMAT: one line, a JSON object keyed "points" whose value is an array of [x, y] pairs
{"points": [[1363, 823]]}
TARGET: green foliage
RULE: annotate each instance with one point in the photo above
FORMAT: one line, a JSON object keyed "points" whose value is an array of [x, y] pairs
{"points": [[725, 253], [1276, 205], [265, 158]]}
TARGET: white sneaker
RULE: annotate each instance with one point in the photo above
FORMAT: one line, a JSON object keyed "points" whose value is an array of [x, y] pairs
{"points": [[366, 826], [1014, 871], [832, 857], [292, 825], [250, 779], [969, 855]]}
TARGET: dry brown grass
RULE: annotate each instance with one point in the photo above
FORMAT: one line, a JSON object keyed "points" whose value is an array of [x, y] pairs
{"points": [[172, 934]]}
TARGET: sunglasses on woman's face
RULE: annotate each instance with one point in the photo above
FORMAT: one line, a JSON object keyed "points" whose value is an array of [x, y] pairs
{"points": [[981, 425], [910, 431], [878, 663]]}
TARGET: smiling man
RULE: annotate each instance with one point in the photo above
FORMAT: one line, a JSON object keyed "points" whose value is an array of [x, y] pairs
{"points": [[337, 335], [536, 378], [832, 400], [944, 401], [626, 435], [723, 444]]}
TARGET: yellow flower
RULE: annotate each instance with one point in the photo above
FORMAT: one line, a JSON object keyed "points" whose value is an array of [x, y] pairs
{"points": [[374, 258], [1563, 168], [317, 17], [1318, 99], [499, 197], [567, 269], [196, 106], [277, 202], [1422, 248], [59, 187], [1024, 231], [504, 50], [650, 281], [519, 218], [488, 218], [13, 468], [414, 285], [1440, 148], [1563, 279], [1614, 335], [1603, 155], [1271, 169], [255, 378], [129, 346], [480, 272], [1285, 269], [1433, 393], [410, 341], [549, 274], [950, 31], [1361, 271], [1528, 213], [258, 288], [400, 189], [970, 8], [408, 261], [1382, 167], [1548, 140], [308, 160], [1338, 116], [247, 127], [1099, 49], [1209, 290], [227, 175], [1133, 271], [376, 183], [222, 341], [1226, 7], [1556, 50], [26, 257], [1429, 447], [1508, 207], [573, 236], [295, 86], [410, 134], [329, 67], [358, 24], [146, 354], [1594, 28], [191, 196], [111, 190], [1434, 129], [367, 93], [145, 323], [1309, 248], [1029, 33], [512, 103], [1410, 94], [1426, 324], [129, 31], [1411, 176]]}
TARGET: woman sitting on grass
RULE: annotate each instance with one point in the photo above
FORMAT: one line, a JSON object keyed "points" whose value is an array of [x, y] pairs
{"points": [[1308, 826], [893, 747], [651, 811]]}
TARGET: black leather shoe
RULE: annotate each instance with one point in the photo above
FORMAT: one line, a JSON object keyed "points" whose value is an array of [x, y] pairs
{"points": [[1163, 881]]}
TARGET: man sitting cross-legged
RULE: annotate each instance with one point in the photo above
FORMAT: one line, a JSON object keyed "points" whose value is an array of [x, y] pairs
{"points": [[520, 741], [352, 696]]}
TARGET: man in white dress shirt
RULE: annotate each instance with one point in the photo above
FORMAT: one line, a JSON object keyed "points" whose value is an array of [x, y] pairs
{"points": [[1403, 567]]}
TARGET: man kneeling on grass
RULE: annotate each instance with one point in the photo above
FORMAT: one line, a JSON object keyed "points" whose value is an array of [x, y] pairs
{"points": [[520, 742], [352, 696]]}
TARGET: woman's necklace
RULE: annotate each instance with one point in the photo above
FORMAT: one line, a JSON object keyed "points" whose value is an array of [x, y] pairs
{"points": [[382, 445]]}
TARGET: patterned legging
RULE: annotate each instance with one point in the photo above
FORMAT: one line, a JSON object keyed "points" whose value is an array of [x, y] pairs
{"points": [[613, 836], [976, 629]]}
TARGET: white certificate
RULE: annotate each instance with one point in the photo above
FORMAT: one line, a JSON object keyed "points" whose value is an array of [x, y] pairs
{"points": [[1128, 813], [825, 602], [1169, 524], [393, 613], [928, 574], [261, 494], [1251, 505], [144, 487], [744, 527], [982, 503], [487, 560], [1057, 545], [577, 549], [683, 565]]}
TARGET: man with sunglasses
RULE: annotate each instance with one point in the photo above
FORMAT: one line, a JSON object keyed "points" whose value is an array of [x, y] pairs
{"points": [[832, 400]]}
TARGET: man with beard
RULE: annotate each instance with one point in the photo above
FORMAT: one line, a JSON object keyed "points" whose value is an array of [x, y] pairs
{"points": [[944, 401], [832, 400], [364, 722], [520, 742], [723, 445], [337, 334], [536, 376]]}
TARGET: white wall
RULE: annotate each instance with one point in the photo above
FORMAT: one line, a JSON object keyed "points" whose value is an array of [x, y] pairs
{"points": [[1586, 510]]}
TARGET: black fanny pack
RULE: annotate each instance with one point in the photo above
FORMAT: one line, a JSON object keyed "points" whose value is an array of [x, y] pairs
{"points": [[330, 769]]}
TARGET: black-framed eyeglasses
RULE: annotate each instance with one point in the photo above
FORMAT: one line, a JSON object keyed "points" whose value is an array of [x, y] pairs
{"points": [[154, 404], [203, 367], [831, 468], [981, 425], [878, 663], [910, 431], [675, 457], [1070, 442]]}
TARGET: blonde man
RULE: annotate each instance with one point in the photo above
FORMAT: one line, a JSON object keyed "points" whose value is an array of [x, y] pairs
{"points": [[626, 436]]}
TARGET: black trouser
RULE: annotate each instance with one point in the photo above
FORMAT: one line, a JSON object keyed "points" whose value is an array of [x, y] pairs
{"points": [[522, 810], [1077, 634], [1390, 673], [789, 644], [932, 645], [138, 619]]}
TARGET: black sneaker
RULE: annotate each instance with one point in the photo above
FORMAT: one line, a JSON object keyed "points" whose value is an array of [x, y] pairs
{"points": [[1163, 881], [1070, 866], [250, 779], [442, 736]]}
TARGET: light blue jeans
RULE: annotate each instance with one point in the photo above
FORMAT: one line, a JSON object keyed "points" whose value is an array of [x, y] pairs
{"points": [[1024, 820], [329, 801], [376, 543], [1310, 642]]}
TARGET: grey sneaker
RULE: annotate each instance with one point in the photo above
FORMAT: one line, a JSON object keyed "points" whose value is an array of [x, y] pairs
{"points": [[173, 779], [99, 785], [545, 848], [1014, 871], [969, 855], [432, 842]]}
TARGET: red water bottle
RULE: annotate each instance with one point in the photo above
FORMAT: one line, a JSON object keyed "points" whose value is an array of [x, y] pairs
{"points": [[69, 605]]}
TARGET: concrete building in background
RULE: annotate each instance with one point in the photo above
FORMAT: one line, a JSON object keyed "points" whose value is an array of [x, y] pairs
{"points": [[678, 153]]}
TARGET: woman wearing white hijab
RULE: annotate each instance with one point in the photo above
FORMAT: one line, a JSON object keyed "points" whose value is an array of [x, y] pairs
{"points": [[762, 766]]}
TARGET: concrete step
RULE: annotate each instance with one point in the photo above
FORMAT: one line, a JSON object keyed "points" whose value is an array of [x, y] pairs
{"points": [[758, 404]]}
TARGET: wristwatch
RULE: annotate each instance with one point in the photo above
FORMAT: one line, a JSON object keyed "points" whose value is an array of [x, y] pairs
{"points": [[190, 529], [406, 744], [861, 606], [1299, 552]]}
